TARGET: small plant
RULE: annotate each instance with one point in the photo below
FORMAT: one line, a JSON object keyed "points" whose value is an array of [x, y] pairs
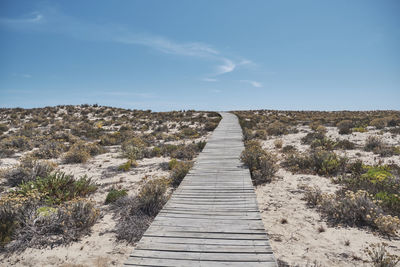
{"points": [[152, 196], [277, 128], [278, 143], [283, 221], [373, 143], [127, 165], [378, 123], [380, 257], [179, 171], [262, 165], [115, 194], [345, 126], [321, 229], [133, 149]]}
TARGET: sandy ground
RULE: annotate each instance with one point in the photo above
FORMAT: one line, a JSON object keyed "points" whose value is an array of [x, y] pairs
{"points": [[299, 242]]}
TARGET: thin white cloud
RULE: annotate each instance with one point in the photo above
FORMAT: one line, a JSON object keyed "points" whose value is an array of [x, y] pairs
{"points": [[252, 83], [209, 80], [168, 46], [227, 67], [37, 17]]}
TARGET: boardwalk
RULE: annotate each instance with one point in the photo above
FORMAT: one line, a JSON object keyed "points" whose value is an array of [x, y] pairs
{"points": [[212, 219]]}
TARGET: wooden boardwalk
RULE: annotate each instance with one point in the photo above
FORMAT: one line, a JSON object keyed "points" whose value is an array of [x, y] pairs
{"points": [[212, 219]]}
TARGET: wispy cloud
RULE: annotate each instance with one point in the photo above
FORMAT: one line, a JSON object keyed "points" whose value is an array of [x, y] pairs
{"points": [[33, 18], [209, 80], [252, 83]]}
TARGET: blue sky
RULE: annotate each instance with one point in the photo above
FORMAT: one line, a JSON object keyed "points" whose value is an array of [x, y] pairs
{"points": [[210, 55]]}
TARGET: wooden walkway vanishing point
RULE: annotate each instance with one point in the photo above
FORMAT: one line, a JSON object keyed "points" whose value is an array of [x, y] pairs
{"points": [[212, 219]]}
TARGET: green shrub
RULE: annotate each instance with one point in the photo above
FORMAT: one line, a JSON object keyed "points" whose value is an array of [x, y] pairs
{"points": [[321, 162], [179, 171], [57, 188], [262, 165], [360, 129], [172, 163], [127, 165], [115, 194], [328, 163]]}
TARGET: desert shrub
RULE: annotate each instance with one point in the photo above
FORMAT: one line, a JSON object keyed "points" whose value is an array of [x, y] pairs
{"points": [[378, 123], [311, 137], [344, 144], [313, 196], [19, 143], [277, 128], [27, 223], [76, 155], [324, 143], [210, 126], [259, 134], [3, 128], [152, 196], [115, 194], [380, 257], [296, 162], [156, 152], [49, 226], [111, 139], [188, 132], [127, 165], [328, 163], [133, 148], [360, 129], [57, 188], [50, 150], [179, 171], [289, 149], [200, 145], [27, 170], [262, 165], [278, 143], [185, 152], [356, 168], [355, 209], [322, 162], [132, 222], [373, 143], [80, 152], [345, 126], [172, 163]]}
